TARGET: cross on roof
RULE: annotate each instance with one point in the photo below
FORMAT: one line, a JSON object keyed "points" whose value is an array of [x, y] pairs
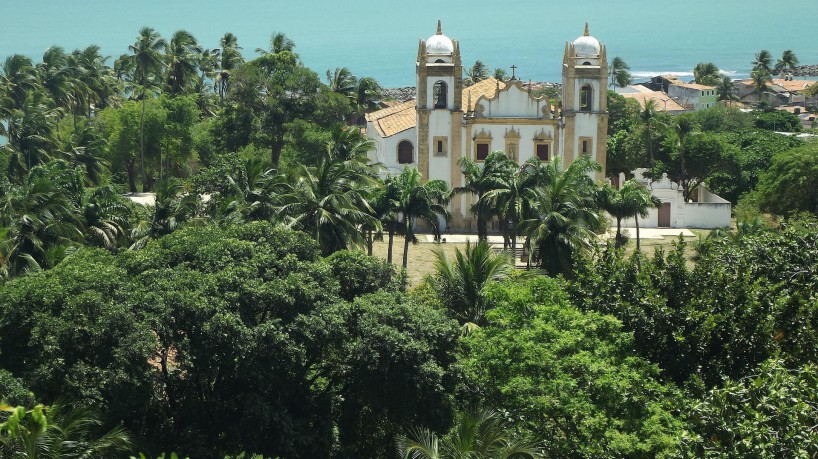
{"points": [[513, 72]]}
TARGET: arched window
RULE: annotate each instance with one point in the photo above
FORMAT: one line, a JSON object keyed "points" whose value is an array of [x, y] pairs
{"points": [[440, 61], [586, 99], [406, 152], [440, 94]]}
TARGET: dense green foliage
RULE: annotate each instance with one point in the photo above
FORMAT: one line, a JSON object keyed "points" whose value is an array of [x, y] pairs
{"points": [[570, 377], [186, 331]]}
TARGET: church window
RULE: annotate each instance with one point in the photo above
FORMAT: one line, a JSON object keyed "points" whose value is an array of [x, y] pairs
{"points": [[585, 98], [543, 151], [406, 152], [440, 61], [585, 144], [482, 151], [440, 95], [440, 145]]}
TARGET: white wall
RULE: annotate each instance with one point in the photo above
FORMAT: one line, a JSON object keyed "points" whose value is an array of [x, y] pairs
{"points": [[386, 149], [513, 102]]}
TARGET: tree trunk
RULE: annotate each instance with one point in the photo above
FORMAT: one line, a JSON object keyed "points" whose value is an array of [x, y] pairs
{"points": [[369, 243], [405, 250], [638, 247], [618, 231], [131, 177], [513, 231], [391, 240], [684, 179], [142, 139], [482, 232]]}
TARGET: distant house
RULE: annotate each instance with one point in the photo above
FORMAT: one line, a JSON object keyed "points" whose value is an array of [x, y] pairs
{"points": [[661, 101], [780, 91], [705, 210], [693, 96]]}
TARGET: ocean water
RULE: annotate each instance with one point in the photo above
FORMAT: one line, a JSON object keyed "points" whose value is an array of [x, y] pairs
{"points": [[379, 38]]}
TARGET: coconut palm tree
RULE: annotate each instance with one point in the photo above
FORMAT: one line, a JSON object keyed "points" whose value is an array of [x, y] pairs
{"points": [[17, 78], [105, 216], [173, 207], [761, 79], [648, 116], [726, 89], [620, 74], [55, 77], [31, 135], [254, 193], [641, 200], [512, 195], [476, 73], [479, 180], [38, 217], [368, 94], [229, 59], [478, 433], [416, 201], [328, 199], [564, 214], [182, 56], [279, 42], [146, 54], [460, 283], [684, 126], [87, 148], [500, 74], [342, 81], [788, 61], [58, 431], [763, 61], [706, 73]]}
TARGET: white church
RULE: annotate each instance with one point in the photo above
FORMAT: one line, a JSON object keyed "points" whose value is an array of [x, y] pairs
{"points": [[447, 121]]}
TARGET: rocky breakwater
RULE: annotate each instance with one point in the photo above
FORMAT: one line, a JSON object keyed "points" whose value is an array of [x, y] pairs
{"points": [[805, 71], [399, 94]]}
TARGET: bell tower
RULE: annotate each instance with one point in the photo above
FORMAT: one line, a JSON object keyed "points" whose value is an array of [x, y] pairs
{"points": [[585, 100], [439, 105]]}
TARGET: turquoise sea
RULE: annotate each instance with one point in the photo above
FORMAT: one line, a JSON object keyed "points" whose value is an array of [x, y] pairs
{"points": [[379, 37]]}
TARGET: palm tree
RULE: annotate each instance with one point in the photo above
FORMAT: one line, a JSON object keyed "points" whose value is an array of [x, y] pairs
{"points": [[648, 115], [254, 193], [173, 207], [460, 283], [87, 148], [641, 200], [38, 217], [478, 433], [230, 58], [564, 214], [58, 432], [18, 78], [342, 81], [619, 72], [30, 134], [706, 73], [182, 55], [479, 180], [105, 217], [55, 77], [147, 64], [684, 126], [500, 74], [763, 61], [279, 42], [419, 201], [511, 195], [726, 89], [328, 199], [476, 73], [761, 78], [367, 96], [788, 61]]}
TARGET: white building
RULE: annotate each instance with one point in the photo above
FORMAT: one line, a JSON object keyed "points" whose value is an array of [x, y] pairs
{"points": [[706, 210], [447, 121]]}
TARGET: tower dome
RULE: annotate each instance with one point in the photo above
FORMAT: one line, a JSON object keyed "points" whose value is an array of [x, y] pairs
{"points": [[439, 44], [586, 45]]}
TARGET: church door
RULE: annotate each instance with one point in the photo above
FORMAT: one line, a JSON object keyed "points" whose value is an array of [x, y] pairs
{"points": [[664, 215]]}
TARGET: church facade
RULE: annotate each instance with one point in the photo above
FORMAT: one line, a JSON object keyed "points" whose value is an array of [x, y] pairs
{"points": [[448, 121]]}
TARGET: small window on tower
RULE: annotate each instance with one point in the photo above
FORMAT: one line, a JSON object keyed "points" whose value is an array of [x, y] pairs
{"points": [[440, 95], [586, 146], [542, 151], [440, 145]]}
